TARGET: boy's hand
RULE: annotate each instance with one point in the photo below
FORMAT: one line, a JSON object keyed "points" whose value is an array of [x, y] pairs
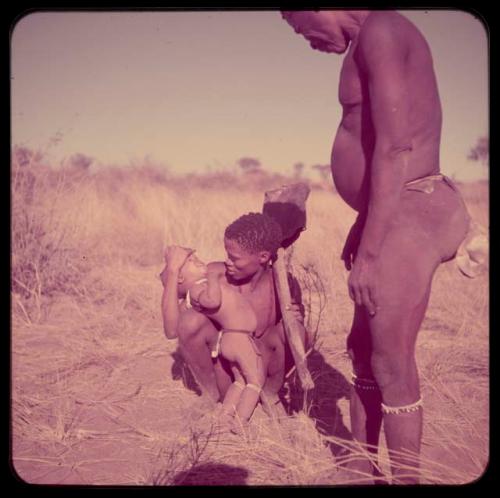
{"points": [[164, 276], [175, 257]]}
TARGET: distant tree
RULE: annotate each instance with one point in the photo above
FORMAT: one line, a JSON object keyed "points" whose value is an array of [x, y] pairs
{"points": [[481, 151], [249, 164], [24, 156], [80, 161], [298, 168], [323, 170]]}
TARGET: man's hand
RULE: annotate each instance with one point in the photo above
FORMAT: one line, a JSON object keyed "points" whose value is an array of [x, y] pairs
{"points": [[351, 245], [362, 284]]}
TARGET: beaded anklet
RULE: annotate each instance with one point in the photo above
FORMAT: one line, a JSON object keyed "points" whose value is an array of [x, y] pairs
{"points": [[365, 384], [397, 410]]}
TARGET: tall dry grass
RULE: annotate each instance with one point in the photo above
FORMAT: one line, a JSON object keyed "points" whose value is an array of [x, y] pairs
{"points": [[99, 396]]}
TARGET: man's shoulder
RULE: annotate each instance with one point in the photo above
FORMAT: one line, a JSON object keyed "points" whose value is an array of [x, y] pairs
{"points": [[385, 34], [383, 26]]}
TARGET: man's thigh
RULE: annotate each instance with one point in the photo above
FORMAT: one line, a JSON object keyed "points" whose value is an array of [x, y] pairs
{"points": [[404, 271]]}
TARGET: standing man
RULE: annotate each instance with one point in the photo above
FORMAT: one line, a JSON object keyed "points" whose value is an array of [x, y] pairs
{"points": [[385, 165]]}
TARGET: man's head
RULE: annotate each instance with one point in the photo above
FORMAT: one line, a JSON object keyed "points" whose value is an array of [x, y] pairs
{"points": [[327, 31], [250, 242]]}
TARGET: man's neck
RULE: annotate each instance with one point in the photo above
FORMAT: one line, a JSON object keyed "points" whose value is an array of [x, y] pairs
{"points": [[355, 19], [256, 278]]}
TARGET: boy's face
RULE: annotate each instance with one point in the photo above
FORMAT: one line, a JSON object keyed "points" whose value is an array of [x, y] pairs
{"points": [[193, 268], [240, 263]]}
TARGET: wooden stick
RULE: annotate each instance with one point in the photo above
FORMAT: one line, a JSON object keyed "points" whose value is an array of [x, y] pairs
{"points": [[290, 323]]}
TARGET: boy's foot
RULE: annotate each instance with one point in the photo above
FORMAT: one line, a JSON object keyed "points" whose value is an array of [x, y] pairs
{"points": [[273, 407], [240, 427], [224, 420]]}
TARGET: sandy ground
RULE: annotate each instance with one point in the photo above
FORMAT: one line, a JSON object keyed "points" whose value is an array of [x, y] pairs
{"points": [[123, 410]]}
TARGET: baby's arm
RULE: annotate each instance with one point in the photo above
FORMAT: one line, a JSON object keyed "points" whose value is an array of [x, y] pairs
{"points": [[209, 297]]}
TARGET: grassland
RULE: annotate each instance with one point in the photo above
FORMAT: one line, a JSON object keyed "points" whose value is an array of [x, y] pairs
{"points": [[99, 396]]}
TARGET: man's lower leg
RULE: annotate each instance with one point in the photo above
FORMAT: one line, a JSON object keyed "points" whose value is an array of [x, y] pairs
{"points": [[403, 431], [366, 421]]}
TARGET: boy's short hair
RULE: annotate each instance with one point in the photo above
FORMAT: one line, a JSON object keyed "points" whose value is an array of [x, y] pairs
{"points": [[255, 232]]}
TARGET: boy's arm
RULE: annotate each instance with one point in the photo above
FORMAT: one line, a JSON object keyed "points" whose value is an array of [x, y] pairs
{"points": [[174, 258], [169, 303]]}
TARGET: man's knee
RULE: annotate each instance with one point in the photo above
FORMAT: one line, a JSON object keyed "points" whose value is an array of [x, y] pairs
{"points": [[393, 371]]}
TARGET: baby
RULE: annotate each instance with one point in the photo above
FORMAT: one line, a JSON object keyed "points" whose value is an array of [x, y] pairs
{"points": [[211, 295]]}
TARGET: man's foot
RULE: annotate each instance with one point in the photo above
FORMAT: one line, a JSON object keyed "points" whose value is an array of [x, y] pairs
{"points": [[360, 472]]}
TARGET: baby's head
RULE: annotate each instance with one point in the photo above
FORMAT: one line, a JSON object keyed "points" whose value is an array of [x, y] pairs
{"points": [[192, 270], [251, 241]]}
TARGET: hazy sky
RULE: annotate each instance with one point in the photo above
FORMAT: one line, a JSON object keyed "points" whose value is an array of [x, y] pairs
{"points": [[202, 89]]}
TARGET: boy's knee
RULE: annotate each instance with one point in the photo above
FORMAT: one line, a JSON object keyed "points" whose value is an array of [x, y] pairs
{"points": [[259, 378], [255, 375], [191, 326]]}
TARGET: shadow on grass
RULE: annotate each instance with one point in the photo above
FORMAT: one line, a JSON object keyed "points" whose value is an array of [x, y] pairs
{"points": [[180, 370], [211, 474], [330, 386]]}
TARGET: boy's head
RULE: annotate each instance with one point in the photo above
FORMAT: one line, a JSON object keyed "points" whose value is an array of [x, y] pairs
{"points": [[250, 241]]}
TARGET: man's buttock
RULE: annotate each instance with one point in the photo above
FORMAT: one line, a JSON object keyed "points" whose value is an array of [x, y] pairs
{"points": [[436, 207]]}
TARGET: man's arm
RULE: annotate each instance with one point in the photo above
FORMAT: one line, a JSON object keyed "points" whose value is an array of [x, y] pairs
{"points": [[384, 61], [383, 56], [297, 306]]}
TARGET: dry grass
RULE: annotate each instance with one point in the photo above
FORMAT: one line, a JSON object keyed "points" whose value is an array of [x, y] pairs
{"points": [[98, 394]]}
